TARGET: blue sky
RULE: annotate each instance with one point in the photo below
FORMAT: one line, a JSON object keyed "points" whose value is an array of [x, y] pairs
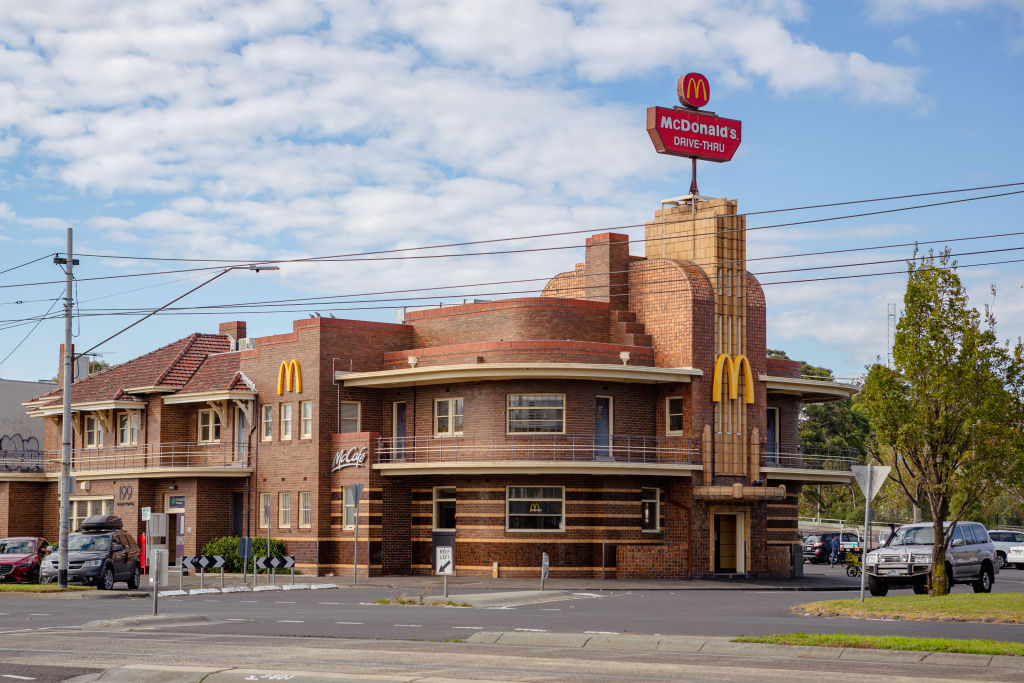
{"points": [[224, 130]]}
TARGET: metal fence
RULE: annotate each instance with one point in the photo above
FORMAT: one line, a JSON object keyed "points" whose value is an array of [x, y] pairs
{"points": [[810, 457], [139, 457]]}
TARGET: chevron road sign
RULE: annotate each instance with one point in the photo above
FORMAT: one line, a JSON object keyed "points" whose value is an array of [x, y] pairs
{"points": [[202, 561], [276, 562]]}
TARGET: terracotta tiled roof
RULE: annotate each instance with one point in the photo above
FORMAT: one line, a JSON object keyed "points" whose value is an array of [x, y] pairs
{"points": [[218, 372], [170, 365]]}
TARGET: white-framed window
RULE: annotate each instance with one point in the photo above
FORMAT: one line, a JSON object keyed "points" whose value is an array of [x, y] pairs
{"points": [[349, 417], [127, 429], [306, 420], [286, 422], [349, 516], [674, 415], [284, 510], [650, 509], [267, 430], [209, 426], [93, 432], [305, 509], [264, 511], [81, 508], [535, 508], [536, 413], [448, 416], [444, 508]]}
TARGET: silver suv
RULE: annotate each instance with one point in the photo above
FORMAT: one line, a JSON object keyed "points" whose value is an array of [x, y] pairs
{"points": [[906, 560]]}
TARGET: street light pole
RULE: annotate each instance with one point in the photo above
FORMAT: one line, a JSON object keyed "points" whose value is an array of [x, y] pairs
{"points": [[65, 455]]}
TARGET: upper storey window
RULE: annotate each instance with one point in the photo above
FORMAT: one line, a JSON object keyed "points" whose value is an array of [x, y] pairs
{"points": [[349, 417], [209, 426], [448, 417], [127, 429], [536, 413], [674, 415], [93, 432]]}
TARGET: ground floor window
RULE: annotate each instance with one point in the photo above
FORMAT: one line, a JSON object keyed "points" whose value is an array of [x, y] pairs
{"points": [[305, 509], [264, 510], [444, 508], [284, 510], [651, 509], [350, 509], [535, 508], [82, 508]]}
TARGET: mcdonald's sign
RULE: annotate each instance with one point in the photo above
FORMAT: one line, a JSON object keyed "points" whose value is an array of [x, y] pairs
{"points": [[732, 367], [694, 90], [535, 508], [289, 377]]}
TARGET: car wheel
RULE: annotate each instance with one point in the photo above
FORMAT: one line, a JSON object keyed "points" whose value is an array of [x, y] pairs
{"points": [[877, 587], [1000, 560], [106, 581], [984, 582], [134, 578], [920, 587]]}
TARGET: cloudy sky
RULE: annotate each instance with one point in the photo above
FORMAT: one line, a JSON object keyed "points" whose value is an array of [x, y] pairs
{"points": [[289, 129]]}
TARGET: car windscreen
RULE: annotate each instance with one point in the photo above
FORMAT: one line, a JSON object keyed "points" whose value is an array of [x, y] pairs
{"points": [[88, 542], [913, 535], [17, 547]]}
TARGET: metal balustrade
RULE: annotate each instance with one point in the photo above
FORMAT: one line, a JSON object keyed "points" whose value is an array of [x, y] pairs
{"points": [[810, 457], [540, 448], [141, 457]]}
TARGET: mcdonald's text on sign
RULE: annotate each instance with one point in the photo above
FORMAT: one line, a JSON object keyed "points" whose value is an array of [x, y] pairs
{"points": [[694, 90], [686, 133]]}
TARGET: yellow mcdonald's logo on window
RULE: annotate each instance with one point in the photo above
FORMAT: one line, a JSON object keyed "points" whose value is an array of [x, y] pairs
{"points": [[289, 377], [696, 89], [732, 366], [534, 507]]}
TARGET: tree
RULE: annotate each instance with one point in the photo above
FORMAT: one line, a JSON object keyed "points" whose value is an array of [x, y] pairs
{"points": [[943, 414]]}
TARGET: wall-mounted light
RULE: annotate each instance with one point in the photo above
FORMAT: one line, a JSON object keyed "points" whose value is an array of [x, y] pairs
{"points": [[624, 357], [172, 487], [413, 360]]}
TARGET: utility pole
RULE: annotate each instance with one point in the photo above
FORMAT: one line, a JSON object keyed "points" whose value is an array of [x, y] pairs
{"points": [[65, 456]]}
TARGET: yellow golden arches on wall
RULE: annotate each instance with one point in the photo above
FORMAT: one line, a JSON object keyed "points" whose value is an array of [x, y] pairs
{"points": [[289, 377], [732, 366]]}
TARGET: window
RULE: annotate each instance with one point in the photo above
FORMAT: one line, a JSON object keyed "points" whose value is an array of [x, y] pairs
{"points": [[81, 509], [535, 508], [306, 420], [536, 413], [93, 432], [650, 502], [264, 510], [349, 519], [284, 510], [209, 426], [305, 509], [674, 415], [268, 423], [444, 508], [127, 429], [286, 421], [448, 417], [349, 417]]}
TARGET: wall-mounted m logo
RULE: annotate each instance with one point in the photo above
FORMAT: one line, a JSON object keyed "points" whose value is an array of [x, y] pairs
{"points": [[732, 366], [288, 373]]}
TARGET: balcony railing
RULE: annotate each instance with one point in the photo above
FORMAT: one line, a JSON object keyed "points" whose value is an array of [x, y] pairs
{"points": [[810, 457], [539, 448], [139, 457]]}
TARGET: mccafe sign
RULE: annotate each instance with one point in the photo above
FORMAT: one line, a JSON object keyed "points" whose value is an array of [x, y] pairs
{"points": [[353, 457]]}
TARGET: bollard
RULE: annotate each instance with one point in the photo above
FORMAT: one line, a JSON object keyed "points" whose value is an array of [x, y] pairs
{"points": [[273, 576], [222, 578], [181, 574], [603, 554], [293, 574], [202, 577]]}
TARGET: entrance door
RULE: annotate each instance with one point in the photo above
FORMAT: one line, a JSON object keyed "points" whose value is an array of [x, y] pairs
{"points": [[603, 428], [772, 436], [725, 544], [398, 429], [237, 514]]}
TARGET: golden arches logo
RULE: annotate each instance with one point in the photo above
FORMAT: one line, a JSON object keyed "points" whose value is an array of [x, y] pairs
{"points": [[693, 90], [732, 366], [534, 507], [289, 377]]}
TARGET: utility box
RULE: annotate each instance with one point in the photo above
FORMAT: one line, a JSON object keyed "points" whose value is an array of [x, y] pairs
{"points": [[158, 572]]}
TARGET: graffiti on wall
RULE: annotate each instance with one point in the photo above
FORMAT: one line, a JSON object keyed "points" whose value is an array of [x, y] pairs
{"points": [[20, 454]]}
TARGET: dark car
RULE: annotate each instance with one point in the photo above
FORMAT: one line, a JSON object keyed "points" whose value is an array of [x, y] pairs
{"points": [[99, 554], [20, 558], [817, 548]]}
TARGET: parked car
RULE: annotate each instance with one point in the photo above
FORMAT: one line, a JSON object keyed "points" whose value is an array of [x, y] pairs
{"points": [[21, 557], [817, 548], [100, 554], [907, 559], [1015, 556], [1003, 540]]}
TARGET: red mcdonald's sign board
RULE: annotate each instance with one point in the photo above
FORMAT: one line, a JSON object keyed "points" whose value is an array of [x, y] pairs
{"points": [[686, 133], [694, 90]]}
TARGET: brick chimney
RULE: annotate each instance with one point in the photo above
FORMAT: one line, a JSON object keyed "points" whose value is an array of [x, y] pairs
{"points": [[235, 330], [606, 276]]}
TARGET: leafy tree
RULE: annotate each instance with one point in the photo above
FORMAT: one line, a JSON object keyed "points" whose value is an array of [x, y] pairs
{"points": [[944, 414]]}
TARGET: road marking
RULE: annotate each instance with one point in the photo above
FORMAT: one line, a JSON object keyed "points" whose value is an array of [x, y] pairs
{"points": [[284, 602], [533, 630], [248, 600], [410, 625], [290, 621], [328, 603], [19, 678], [550, 609], [38, 614], [350, 623], [602, 633], [236, 620], [471, 628]]}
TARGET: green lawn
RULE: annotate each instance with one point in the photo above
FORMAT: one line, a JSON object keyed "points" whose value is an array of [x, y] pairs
{"points": [[976, 647], [40, 588], [990, 607]]}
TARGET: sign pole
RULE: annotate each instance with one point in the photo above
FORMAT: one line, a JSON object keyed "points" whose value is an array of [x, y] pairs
{"points": [[153, 574], [267, 509], [864, 552], [355, 549], [65, 454]]}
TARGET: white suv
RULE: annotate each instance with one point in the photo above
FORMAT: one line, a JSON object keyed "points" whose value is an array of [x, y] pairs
{"points": [[906, 560], [1003, 540]]}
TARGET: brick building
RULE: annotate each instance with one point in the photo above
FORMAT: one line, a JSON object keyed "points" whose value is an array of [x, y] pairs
{"points": [[626, 421]]}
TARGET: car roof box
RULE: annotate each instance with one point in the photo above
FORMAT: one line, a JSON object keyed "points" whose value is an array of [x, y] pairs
{"points": [[101, 522]]}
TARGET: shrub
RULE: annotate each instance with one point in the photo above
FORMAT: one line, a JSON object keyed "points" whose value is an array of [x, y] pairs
{"points": [[227, 547]]}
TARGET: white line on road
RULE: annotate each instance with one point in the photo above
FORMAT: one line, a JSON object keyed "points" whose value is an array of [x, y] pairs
{"points": [[533, 630], [411, 625], [471, 628], [236, 620], [550, 609], [328, 603], [284, 602], [18, 678], [602, 633], [350, 623], [290, 621], [38, 614], [248, 601]]}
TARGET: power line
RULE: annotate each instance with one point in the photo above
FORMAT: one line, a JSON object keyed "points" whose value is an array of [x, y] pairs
{"points": [[27, 263], [23, 339]]}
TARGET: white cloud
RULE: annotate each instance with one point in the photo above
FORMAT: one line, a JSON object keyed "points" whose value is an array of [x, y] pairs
{"points": [[905, 43]]}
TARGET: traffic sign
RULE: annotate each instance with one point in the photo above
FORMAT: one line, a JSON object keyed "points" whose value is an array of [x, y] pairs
{"points": [[275, 562], [877, 475], [445, 566], [203, 562], [357, 492], [545, 565], [146, 512], [245, 547]]}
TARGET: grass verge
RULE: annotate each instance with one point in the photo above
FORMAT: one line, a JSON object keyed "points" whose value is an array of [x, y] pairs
{"points": [[974, 647], [40, 588], [986, 607]]}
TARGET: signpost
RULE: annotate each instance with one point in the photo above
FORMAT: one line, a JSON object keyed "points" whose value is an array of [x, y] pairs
{"points": [[245, 552], [545, 565], [276, 562], [357, 492], [870, 481], [202, 563], [445, 565]]}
